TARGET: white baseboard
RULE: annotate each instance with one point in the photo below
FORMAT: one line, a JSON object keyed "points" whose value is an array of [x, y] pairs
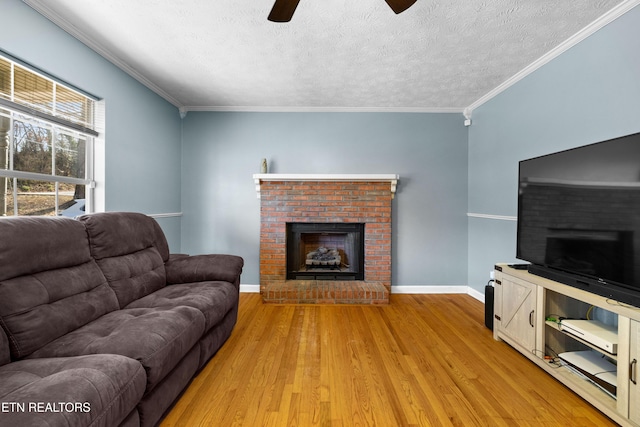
{"points": [[406, 290], [476, 294], [438, 290], [250, 289], [429, 289]]}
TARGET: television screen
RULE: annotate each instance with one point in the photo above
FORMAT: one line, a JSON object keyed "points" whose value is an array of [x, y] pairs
{"points": [[579, 212]]}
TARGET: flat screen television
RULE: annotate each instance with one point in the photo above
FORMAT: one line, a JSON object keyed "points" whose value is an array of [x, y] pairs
{"points": [[579, 217]]}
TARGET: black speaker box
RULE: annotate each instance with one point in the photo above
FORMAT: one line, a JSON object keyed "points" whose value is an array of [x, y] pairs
{"points": [[488, 306]]}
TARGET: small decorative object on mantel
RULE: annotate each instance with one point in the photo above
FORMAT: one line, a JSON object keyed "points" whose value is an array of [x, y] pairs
{"points": [[263, 166]]}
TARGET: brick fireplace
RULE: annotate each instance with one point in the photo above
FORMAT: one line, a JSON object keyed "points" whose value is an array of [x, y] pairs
{"points": [[289, 199]]}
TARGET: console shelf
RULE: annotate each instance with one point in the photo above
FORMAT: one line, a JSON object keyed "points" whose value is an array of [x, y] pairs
{"points": [[523, 302]]}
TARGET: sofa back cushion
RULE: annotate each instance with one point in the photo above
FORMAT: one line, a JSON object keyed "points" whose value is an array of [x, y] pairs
{"points": [[49, 283], [130, 249]]}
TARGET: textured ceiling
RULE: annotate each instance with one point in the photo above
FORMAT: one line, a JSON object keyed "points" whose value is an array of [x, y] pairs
{"points": [[334, 54]]}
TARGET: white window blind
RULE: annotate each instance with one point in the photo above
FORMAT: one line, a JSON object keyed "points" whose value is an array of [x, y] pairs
{"points": [[26, 91]]}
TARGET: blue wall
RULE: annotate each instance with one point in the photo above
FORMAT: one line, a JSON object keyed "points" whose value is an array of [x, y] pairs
{"points": [[143, 169], [588, 94], [203, 165], [222, 151]]}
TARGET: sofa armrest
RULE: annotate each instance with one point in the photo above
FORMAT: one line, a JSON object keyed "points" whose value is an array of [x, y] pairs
{"points": [[199, 268]]}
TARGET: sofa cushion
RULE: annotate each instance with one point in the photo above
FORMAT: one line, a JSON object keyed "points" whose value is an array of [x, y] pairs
{"points": [[134, 275], [37, 309], [157, 338], [121, 233], [34, 244], [46, 272], [96, 390], [131, 250], [213, 299]]}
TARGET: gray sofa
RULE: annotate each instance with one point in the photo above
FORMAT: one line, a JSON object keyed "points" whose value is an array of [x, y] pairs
{"points": [[100, 325]]}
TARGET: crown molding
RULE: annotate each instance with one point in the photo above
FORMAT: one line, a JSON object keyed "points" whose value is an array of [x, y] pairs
{"points": [[41, 7], [306, 109], [587, 31]]}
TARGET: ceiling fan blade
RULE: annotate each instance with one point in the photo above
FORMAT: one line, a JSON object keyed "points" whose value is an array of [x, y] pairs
{"points": [[399, 6], [283, 10]]}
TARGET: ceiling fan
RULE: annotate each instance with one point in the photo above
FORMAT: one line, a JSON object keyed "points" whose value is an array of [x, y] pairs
{"points": [[282, 10]]}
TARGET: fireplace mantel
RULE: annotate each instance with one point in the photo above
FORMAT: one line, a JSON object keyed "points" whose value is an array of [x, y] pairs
{"points": [[327, 177]]}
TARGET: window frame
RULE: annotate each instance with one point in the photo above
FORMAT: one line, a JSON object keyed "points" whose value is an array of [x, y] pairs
{"points": [[13, 111]]}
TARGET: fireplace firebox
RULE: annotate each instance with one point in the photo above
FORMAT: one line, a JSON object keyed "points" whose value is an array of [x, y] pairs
{"points": [[325, 251]]}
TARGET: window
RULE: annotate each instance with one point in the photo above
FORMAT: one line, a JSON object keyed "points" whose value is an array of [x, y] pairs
{"points": [[46, 144]]}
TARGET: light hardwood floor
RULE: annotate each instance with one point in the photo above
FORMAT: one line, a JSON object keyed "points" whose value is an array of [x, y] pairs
{"points": [[424, 360]]}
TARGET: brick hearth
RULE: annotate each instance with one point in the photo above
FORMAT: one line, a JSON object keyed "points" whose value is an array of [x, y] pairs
{"points": [[325, 198]]}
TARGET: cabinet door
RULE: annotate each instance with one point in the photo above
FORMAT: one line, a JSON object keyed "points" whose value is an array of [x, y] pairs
{"points": [[634, 374], [518, 312]]}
